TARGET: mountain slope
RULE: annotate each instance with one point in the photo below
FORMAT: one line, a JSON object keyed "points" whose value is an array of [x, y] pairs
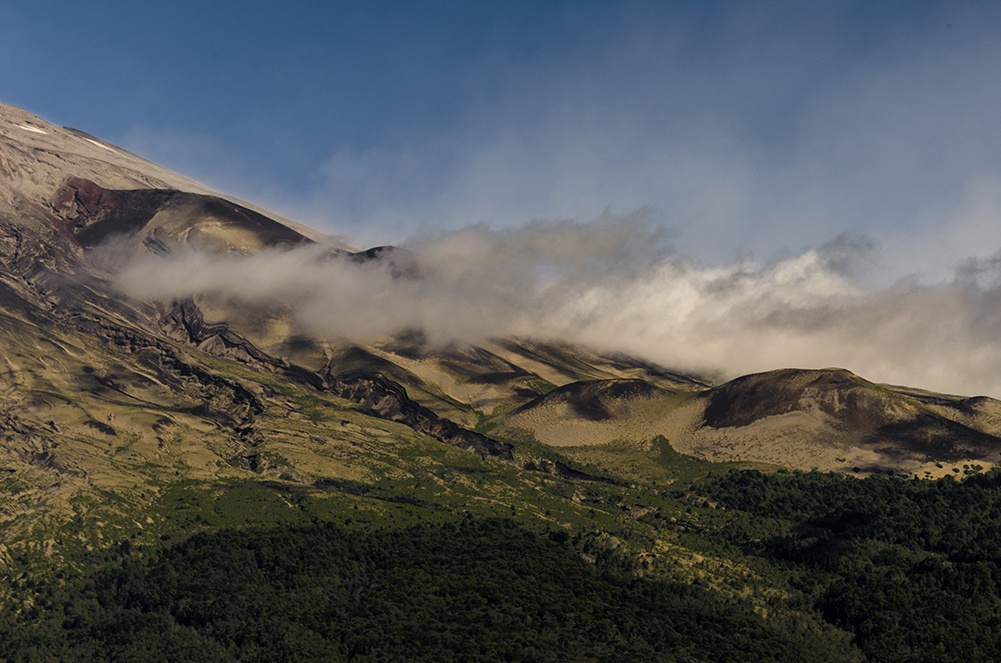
{"points": [[105, 392], [137, 433], [829, 419]]}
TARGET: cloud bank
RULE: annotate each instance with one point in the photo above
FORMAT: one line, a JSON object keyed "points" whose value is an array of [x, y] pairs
{"points": [[616, 284], [759, 130]]}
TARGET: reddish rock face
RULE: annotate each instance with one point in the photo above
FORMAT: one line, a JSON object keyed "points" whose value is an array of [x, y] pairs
{"points": [[81, 197], [79, 202], [89, 214]]}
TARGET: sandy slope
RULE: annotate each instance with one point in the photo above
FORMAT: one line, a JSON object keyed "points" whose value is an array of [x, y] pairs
{"points": [[826, 420]]}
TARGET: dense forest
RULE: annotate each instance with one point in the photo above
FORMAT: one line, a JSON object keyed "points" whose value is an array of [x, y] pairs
{"points": [[883, 569], [912, 568], [476, 590]]}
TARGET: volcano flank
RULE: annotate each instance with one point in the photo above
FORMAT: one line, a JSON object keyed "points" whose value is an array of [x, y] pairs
{"points": [[134, 416]]}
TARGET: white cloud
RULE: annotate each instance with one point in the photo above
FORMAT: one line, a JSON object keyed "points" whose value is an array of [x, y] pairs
{"points": [[615, 285], [776, 134], [757, 140]]}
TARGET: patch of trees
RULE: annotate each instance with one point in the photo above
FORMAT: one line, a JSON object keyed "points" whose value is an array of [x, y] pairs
{"points": [[911, 567], [475, 590], [888, 569]]}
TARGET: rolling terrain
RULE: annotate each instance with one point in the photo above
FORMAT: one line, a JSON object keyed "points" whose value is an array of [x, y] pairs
{"points": [[143, 420]]}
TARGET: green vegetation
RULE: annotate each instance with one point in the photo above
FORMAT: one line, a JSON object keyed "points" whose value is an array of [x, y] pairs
{"points": [[741, 565], [472, 590], [653, 463], [911, 567], [313, 531], [196, 480]]}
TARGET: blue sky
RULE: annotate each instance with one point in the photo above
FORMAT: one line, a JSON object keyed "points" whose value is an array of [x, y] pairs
{"points": [[747, 128]]}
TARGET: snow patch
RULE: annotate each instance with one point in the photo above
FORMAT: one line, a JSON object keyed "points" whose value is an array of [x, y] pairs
{"points": [[28, 127], [103, 147]]}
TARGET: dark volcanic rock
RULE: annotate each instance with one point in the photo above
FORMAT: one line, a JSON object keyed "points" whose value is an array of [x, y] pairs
{"points": [[184, 321], [90, 214], [389, 400], [401, 263], [375, 392]]}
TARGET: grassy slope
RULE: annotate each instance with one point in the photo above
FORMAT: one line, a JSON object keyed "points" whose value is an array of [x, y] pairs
{"points": [[112, 457], [105, 450]]}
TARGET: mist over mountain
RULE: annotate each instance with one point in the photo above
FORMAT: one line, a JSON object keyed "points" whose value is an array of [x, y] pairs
{"points": [[616, 284], [191, 383]]}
